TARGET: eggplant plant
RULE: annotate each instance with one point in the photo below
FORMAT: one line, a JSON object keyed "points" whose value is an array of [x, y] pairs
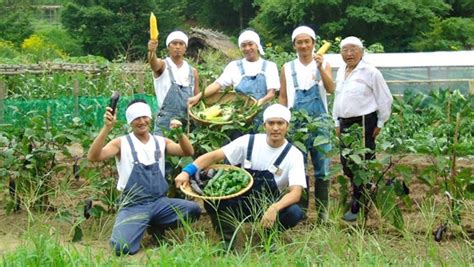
{"points": [[384, 182]]}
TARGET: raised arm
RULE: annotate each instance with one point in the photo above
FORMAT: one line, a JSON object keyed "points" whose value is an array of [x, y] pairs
{"points": [[283, 99], [183, 147], [157, 65], [326, 73], [98, 150]]}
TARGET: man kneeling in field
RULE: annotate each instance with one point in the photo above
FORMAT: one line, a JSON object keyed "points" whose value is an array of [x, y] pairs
{"points": [[279, 177], [140, 160]]}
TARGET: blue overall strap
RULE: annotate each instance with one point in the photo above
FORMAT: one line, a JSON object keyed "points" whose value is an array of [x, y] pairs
{"points": [[250, 147], [293, 75], [132, 147], [241, 67], [157, 149], [282, 155], [168, 67], [264, 65], [191, 77]]}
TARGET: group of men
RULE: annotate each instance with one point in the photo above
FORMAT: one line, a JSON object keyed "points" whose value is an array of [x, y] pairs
{"points": [[278, 167]]}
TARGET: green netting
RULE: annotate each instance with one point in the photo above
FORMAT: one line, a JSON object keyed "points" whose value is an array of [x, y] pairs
{"points": [[62, 110]]}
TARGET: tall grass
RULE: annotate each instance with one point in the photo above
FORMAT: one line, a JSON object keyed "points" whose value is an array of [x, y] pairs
{"points": [[332, 244]]}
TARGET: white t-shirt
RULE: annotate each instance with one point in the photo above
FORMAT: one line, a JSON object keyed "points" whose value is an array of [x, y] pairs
{"points": [[145, 154], [362, 92], [232, 76], [163, 83], [306, 76], [263, 157]]}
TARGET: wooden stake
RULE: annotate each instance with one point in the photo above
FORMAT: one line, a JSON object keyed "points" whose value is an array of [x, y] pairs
{"points": [[2, 98], [76, 98]]}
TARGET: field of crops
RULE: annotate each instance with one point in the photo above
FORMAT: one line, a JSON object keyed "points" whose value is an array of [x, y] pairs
{"points": [[49, 121]]}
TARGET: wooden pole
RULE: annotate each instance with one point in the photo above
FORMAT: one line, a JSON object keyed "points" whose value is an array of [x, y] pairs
{"points": [[2, 98], [141, 82], [76, 98]]}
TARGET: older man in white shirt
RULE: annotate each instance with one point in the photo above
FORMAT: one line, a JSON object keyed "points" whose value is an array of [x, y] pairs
{"points": [[362, 96]]}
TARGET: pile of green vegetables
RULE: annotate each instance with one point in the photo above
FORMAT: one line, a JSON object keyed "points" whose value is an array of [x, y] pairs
{"points": [[220, 112], [226, 182]]}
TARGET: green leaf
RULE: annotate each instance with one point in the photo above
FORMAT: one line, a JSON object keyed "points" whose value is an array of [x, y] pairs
{"points": [[320, 140], [356, 159]]}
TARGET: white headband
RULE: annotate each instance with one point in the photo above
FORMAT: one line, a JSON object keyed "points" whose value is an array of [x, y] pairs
{"points": [[253, 37], [137, 110], [303, 29], [177, 35], [351, 40], [277, 111]]}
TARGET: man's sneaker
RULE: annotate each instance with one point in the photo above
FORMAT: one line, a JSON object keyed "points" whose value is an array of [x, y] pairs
{"points": [[349, 216]]}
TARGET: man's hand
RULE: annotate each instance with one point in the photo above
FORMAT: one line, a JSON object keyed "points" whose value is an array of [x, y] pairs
{"points": [[376, 132], [193, 100], [175, 124], [152, 45], [269, 217], [319, 60], [109, 119], [181, 180]]}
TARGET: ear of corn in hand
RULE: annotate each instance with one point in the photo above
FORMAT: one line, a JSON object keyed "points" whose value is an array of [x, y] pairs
{"points": [[153, 27], [324, 48]]}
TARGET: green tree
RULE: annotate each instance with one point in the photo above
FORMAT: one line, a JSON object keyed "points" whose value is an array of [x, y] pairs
{"points": [[119, 27], [448, 34], [394, 23], [229, 16], [15, 22]]}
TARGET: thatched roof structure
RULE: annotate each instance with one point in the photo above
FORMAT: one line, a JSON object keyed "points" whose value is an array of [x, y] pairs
{"points": [[200, 39]]}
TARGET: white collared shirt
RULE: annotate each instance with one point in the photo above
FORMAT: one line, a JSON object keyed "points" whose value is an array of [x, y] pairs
{"points": [[362, 92], [162, 84], [232, 76]]}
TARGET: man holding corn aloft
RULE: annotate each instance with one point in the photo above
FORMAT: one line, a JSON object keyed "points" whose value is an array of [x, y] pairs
{"points": [[174, 80], [305, 82]]}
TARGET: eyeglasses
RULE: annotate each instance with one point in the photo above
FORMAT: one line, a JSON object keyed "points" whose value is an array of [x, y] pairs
{"points": [[351, 50]]}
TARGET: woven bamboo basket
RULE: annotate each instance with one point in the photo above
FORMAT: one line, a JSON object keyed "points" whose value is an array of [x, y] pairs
{"points": [[222, 98], [190, 192]]}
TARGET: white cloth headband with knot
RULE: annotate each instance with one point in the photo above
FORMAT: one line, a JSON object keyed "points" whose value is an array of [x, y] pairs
{"points": [[177, 35], [253, 37], [303, 29], [351, 40], [277, 111], [137, 110]]}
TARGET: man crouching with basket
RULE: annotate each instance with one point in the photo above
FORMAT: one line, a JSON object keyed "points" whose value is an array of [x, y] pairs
{"points": [[279, 178], [140, 164]]}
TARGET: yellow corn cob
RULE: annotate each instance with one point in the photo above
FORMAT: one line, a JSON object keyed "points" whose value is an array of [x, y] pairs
{"points": [[153, 27], [212, 112], [324, 48]]}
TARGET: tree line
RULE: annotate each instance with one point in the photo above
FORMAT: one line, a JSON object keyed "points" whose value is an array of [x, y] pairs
{"points": [[116, 27]]}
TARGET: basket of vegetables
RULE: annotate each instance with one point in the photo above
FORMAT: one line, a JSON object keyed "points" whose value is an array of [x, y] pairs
{"points": [[219, 182], [224, 108]]}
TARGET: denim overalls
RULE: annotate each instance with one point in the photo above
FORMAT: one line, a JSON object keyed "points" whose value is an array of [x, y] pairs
{"points": [[264, 191], [310, 101], [143, 203], [175, 103], [254, 86]]}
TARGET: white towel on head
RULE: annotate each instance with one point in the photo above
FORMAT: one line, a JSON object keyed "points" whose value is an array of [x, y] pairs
{"points": [[137, 110], [277, 111], [351, 40], [303, 29], [177, 35], [251, 36]]}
